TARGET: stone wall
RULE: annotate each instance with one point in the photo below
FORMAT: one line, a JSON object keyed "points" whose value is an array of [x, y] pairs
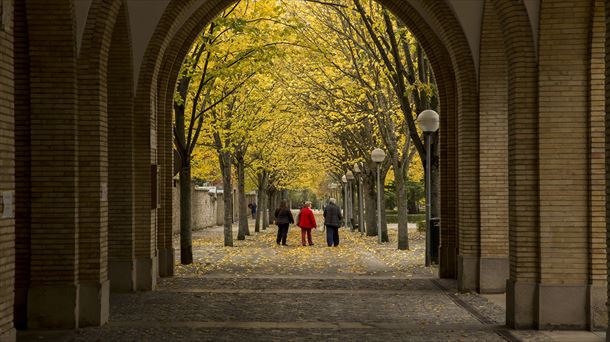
{"points": [[206, 208]]}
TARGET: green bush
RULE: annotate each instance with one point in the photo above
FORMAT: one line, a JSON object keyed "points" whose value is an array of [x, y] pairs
{"points": [[416, 217], [421, 226], [392, 217]]}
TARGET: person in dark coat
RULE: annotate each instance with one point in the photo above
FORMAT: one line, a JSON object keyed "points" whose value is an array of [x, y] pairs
{"points": [[332, 221], [253, 209], [283, 219], [307, 222]]}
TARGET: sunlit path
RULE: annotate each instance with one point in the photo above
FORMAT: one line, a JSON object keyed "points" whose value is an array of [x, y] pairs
{"points": [[259, 255]]}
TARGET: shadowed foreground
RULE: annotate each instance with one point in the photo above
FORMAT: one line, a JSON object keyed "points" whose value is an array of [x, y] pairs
{"points": [[258, 291]]}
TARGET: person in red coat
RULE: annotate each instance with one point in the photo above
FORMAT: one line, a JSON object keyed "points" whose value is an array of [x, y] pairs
{"points": [[307, 222]]}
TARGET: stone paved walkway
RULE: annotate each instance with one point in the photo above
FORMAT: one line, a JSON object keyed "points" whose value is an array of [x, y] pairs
{"points": [[258, 291]]}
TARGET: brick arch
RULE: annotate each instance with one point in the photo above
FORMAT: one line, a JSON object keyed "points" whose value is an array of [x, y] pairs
{"points": [[523, 147], [458, 103], [120, 89], [493, 134], [92, 128], [467, 137]]}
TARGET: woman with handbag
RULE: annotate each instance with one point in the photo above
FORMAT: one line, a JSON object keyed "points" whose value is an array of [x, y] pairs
{"points": [[306, 222]]}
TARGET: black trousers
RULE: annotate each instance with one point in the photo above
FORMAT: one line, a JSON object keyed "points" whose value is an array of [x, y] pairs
{"points": [[282, 233], [332, 236]]}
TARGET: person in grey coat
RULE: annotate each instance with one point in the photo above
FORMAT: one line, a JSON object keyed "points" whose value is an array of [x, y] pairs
{"points": [[332, 221]]}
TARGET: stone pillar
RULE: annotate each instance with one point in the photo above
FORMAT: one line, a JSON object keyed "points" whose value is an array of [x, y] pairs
{"points": [[54, 290], [493, 115], [7, 178], [121, 223]]}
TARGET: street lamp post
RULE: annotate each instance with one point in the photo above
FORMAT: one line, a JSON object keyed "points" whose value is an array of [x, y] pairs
{"points": [[333, 187], [360, 203], [350, 195], [378, 155], [345, 211], [428, 121]]}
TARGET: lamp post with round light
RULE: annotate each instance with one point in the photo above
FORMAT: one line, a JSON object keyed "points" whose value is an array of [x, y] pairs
{"points": [[360, 204], [378, 156], [333, 188], [428, 122]]}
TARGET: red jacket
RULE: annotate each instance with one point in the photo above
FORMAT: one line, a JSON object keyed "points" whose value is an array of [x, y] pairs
{"points": [[306, 219]]}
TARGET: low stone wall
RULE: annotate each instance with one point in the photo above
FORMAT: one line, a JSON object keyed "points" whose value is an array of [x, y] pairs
{"points": [[206, 208]]}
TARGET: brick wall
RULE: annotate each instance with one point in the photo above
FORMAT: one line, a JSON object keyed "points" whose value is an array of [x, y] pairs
{"points": [[7, 177]]}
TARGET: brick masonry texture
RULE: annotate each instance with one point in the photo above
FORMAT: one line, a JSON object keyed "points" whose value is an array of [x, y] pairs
{"points": [[7, 176], [78, 136], [493, 128]]}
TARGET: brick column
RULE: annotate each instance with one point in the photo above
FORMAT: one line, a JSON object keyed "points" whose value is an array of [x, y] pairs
{"points": [[93, 162], [53, 292], [448, 158], [563, 138], [7, 177], [522, 163], [22, 165], [607, 156], [145, 156], [121, 227], [493, 166], [165, 157], [597, 195]]}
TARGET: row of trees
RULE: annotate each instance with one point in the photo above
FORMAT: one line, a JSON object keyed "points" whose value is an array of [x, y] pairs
{"points": [[293, 94]]}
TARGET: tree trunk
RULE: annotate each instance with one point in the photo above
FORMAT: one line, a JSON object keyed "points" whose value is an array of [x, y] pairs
{"points": [[271, 206], [260, 203], [242, 213], [259, 206], [265, 209], [401, 202], [384, 222], [370, 203], [186, 244], [228, 197]]}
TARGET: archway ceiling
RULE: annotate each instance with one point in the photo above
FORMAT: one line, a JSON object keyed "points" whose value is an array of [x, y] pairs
{"points": [[144, 16]]}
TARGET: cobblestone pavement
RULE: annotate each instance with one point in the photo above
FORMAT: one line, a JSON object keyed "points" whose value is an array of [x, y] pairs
{"points": [[258, 291]]}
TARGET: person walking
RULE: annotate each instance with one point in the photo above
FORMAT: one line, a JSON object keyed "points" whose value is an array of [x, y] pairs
{"points": [[332, 221], [307, 222], [253, 209], [283, 219]]}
